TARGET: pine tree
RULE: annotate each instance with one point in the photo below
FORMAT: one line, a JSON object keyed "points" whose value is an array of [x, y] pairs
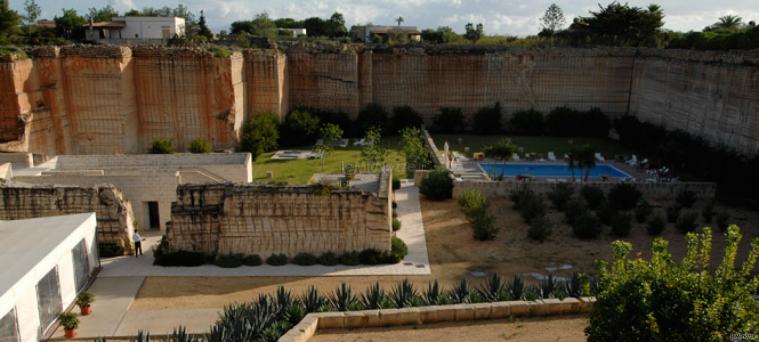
{"points": [[203, 30]]}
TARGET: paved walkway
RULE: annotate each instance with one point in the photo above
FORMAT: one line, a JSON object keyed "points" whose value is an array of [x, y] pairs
{"points": [[412, 233]]}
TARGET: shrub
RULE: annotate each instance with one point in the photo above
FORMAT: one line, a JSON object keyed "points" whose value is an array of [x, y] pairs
{"points": [[532, 207], [686, 222], [370, 257], [722, 221], [110, 249], [301, 128], [437, 185], [165, 257], [396, 183], [305, 259], [252, 260], [277, 260], [396, 225], [417, 155], [565, 121], [85, 298], [487, 120], [606, 213], [708, 213], [685, 198], [621, 224], [260, 134], [398, 249], [372, 116], [528, 122], [587, 226], [575, 208], [624, 196], [663, 299], [349, 259], [229, 260], [655, 224], [484, 227], [449, 121], [504, 149], [162, 146], [328, 259], [473, 203], [560, 195], [642, 211], [540, 229], [593, 195], [200, 145], [673, 212], [405, 116], [69, 320]]}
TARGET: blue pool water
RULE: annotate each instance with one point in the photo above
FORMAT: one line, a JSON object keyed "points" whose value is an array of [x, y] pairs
{"points": [[548, 170]]}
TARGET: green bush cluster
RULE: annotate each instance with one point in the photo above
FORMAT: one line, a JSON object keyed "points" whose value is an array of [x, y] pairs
{"points": [[745, 39], [539, 229], [621, 224], [415, 151], [593, 196], [229, 260], [528, 203], [528, 122], [200, 145], [624, 196], [449, 121], [260, 134], [687, 221], [560, 195], [568, 122], [110, 249], [656, 224], [587, 226], [487, 120], [396, 224], [503, 149], [475, 208], [162, 146], [437, 185], [665, 299], [164, 256]]}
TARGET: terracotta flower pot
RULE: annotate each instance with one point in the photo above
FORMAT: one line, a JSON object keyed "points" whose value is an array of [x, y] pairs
{"points": [[69, 333], [85, 310]]}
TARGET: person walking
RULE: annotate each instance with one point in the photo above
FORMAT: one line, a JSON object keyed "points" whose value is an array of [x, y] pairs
{"points": [[137, 243]]}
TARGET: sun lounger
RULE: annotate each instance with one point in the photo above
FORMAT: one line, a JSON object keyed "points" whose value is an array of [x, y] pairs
{"points": [[599, 157], [633, 161], [551, 156], [515, 157]]}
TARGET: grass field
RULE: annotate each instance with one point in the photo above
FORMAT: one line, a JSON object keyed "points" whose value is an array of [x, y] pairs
{"points": [[531, 144], [300, 171]]}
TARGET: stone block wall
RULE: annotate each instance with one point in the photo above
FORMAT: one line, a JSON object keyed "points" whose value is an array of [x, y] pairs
{"points": [[263, 220], [112, 211]]}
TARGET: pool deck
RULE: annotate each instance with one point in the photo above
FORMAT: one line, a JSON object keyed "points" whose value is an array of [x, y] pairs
{"points": [[470, 169]]}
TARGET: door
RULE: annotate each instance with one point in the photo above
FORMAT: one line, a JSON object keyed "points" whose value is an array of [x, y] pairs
{"points": [[155, 220]]}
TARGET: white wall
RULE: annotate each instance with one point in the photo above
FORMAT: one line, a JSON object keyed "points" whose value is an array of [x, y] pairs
{"points": [[151, 27]]}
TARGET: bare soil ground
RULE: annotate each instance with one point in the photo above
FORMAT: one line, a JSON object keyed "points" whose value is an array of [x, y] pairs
{"points": [[567, 328], [454, 254]]}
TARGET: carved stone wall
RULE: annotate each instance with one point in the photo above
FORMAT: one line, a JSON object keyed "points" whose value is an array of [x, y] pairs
{"points": [[112, 211], [263, 220], [115, 100]]}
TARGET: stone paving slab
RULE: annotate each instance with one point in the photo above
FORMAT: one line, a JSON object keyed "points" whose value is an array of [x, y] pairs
{"points": [[412, 232], [164, 321], [113, 296]]}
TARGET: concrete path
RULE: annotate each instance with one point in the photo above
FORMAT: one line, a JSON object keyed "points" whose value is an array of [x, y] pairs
{"points": [[113, 296], [164, 321], [412, 233]]}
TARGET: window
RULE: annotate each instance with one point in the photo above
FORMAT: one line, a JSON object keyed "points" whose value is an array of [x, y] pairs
{"points": [[49, 299], [9, 327], [81, 265]]}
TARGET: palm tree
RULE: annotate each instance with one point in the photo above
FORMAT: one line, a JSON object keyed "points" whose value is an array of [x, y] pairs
{"points": [[583, 157], [729, 21], [399, 20]]}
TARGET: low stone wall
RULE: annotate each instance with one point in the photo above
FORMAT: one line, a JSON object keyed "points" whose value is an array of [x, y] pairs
{"points": [[308, 327], [705, 191], [113, 212], [264, 220]]}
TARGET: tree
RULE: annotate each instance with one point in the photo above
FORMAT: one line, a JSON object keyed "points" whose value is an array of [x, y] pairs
{"points": [[416, 153], [330, 133], [584, 158], [203, 30], [336, 26], [726, 23], [9, 23], [441, 35], [553, 20], [618, 25], [473, 34], [260, 134], [399, 20], [32, 12], [104, 14], [373, 154], [70, 25], [663, 299]]}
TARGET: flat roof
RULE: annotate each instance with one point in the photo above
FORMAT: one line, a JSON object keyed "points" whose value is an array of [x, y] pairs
{"points": [[25, 243]]}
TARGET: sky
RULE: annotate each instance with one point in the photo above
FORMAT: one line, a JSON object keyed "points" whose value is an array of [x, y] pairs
{"points": [[512, 17]]}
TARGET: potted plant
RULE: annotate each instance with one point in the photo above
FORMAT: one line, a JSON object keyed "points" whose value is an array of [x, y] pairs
{"points": [[84, 301], [70, 322]]}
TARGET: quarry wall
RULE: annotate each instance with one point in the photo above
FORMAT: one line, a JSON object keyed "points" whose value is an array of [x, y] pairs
{"points": [[112, 211], [264, 220], [91, 100]]}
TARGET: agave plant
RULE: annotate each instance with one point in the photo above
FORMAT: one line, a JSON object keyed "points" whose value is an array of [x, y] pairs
{"points": [[180, 335], [493, 289], [312, 300], [548, 286], [284, 298], [343, 298], [294, 313], [433, 295], [532, 292], [403, 294], [516, 288], [274, 331], [142, 336], [373, 297], [577, 285], [461, 293], [218, 333]]}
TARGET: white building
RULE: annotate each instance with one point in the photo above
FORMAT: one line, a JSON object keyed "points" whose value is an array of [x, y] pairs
{"points": [[45, 262], [379, 34], [135, 29]]}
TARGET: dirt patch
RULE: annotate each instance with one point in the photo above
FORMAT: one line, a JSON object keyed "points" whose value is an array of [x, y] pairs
{"points": [[567, 328], [454, 254]]}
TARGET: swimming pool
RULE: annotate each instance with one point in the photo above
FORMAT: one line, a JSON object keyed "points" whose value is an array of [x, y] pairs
{"points": [[549, 170]]}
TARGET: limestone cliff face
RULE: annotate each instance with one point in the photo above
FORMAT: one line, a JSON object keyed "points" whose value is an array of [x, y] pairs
{"points": [[115, 100]]}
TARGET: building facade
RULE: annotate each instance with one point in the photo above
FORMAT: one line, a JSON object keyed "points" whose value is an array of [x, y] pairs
{"points": [[135, 29]]}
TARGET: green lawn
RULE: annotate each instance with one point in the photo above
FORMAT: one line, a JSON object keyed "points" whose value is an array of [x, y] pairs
{"points": [[530, 144], [300, 171]]}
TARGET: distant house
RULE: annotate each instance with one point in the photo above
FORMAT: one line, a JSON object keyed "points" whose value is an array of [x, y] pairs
{"points": [[135, 29], [292, 32], [376, 33]]}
